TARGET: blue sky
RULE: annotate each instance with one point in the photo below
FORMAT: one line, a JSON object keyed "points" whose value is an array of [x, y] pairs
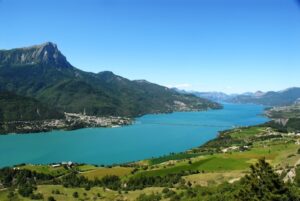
{"points": [[206, 45]]}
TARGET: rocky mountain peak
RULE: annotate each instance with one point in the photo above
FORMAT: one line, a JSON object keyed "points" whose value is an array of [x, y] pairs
{"points": [[46, 54]]}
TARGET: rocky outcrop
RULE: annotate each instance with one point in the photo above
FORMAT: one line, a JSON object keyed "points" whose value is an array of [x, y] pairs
{"points": [[46, 53]]}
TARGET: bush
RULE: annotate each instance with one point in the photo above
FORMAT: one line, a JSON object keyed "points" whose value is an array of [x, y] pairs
{"points": [[26, 190], [56, 192], [75, 194], [87, 188], [51, 198], [151, 197], [170, 194], [165, 190], [111, 181], [11, 195], [37, 196], [151, 181]]}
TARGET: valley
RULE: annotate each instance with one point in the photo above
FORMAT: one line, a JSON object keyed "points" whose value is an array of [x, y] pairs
{"points": [[149, 100]]}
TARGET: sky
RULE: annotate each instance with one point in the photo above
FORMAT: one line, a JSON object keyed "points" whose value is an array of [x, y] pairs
{"points": [[232, 46]]}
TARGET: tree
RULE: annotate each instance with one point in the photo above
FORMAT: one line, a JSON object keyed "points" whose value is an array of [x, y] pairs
{"points": [[11, 196], [26, 190], [51, 198], [263, 184]]}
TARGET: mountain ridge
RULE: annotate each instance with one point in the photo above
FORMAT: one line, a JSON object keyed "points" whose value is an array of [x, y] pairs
{"points": [[53, 80], [271, 98], [284, 97]]}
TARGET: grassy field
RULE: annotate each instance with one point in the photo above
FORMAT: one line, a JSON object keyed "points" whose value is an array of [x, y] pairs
{"points": [[101, 172], [96, 193], [213, 178], [248, 132], [207, 164], [46, 169], [86, 167], [178, 156], [278, 153]]}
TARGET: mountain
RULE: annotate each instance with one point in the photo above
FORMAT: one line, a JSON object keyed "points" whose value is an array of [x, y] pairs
{"points": [[47, 54], [43, 73], [214, 96], [272, 98], [18, 108]]}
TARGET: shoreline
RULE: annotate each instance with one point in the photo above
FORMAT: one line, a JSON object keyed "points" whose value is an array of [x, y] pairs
{"points": [[190, 149], [71, 122], [75, 121], [201, 148], [219, 136]]}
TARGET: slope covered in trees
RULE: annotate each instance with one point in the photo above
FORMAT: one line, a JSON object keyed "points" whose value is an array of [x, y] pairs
{"points": [[43, 73], [18, 108]]}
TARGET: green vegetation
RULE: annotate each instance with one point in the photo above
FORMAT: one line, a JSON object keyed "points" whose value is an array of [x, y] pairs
{"points": [[261, 183], [86, 167], [206, 164], [101, 172], [286, 119], [286, 112], [19, 108], [45, 169], [151, 197], [264, 184], [218, 170], [172, 156], [55, 82]]}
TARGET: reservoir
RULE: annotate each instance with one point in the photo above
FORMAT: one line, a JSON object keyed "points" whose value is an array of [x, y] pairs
{"points": [[150, 136]]}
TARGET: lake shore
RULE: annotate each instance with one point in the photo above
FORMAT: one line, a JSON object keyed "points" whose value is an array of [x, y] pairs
{"points": [[169, 133], [72, 121]]}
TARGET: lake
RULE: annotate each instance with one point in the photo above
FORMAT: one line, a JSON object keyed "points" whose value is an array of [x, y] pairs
{"points": [[150, 136]]}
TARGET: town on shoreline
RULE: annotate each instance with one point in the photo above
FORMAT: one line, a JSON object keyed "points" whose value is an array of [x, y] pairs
{"points": [[72, 121]]}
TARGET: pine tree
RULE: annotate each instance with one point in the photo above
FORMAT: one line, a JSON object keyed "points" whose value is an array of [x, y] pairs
{"points": [[263, 184]]}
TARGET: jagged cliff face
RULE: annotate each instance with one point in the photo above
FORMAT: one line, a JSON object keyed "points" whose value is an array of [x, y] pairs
{"points": [[46, 54]]}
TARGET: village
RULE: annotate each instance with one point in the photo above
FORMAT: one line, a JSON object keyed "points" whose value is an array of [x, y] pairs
{"points": [[71, 121]]}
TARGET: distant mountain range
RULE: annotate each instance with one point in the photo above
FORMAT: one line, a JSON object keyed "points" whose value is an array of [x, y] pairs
{"points": [[214, 96], [271, 98], [280, 98], [43, 76]]}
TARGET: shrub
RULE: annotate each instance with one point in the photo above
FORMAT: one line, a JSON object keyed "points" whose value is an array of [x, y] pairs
{"points": [[75, 194], [37, 196], [51, 198], [151, 197]]}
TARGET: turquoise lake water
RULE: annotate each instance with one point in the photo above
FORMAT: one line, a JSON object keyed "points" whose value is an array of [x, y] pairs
{"points": [[150, 136]]}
